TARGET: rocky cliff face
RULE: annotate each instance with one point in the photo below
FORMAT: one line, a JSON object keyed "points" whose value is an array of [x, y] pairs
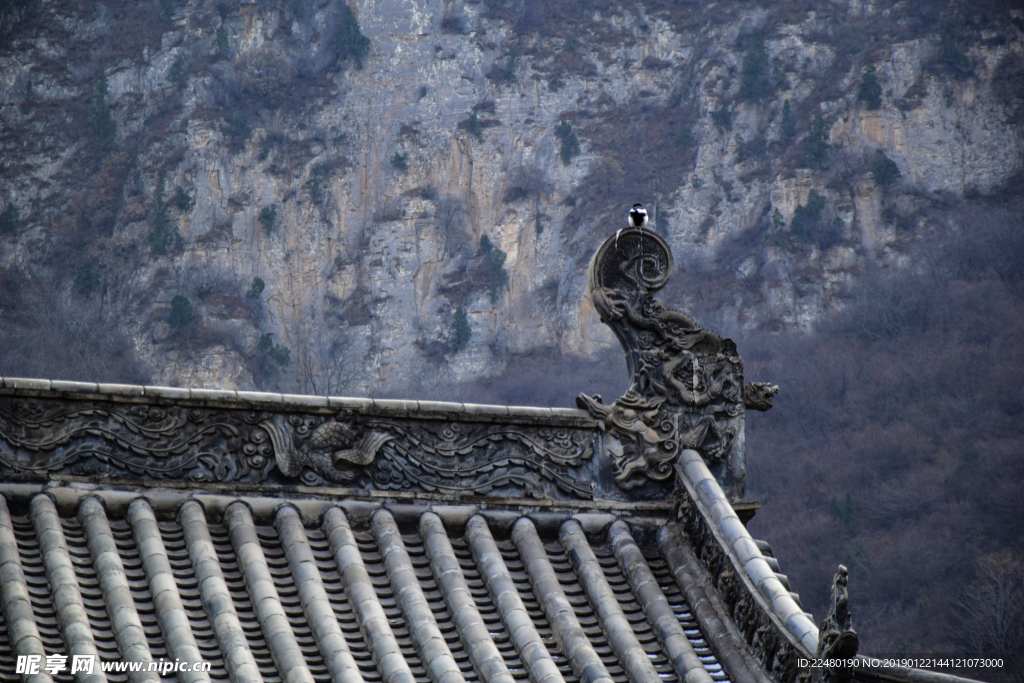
{"points": [[157, 150]]}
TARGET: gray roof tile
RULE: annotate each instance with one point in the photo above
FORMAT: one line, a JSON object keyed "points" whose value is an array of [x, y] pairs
{"points": [[276, 598]]}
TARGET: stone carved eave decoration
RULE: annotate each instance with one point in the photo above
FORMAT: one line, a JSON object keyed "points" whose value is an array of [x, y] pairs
{"points": [[43, 438], [686, 383], [837, 640], [769, 641]]}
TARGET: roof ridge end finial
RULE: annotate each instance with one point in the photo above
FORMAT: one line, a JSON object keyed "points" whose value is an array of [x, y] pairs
{"points": [[686, 382]]}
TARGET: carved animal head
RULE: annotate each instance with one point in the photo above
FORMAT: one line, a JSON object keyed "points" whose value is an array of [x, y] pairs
{"points": [[759, 395]]}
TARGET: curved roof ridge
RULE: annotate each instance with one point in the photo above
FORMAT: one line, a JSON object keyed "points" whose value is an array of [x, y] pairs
{"points": [[744, 551], [20, 384]]}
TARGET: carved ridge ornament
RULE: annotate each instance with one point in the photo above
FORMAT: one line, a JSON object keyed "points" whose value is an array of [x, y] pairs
{"points": [[837, 640], [686, 383], [42, 437]]}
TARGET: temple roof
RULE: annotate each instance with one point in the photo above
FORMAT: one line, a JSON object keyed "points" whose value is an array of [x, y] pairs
{"points": [[300, 581], [306, 539]]}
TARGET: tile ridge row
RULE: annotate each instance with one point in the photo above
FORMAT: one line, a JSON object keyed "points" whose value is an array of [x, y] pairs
{"points": [[30, 386]]}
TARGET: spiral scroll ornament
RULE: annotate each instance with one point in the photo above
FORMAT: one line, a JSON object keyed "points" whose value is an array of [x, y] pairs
{"points": [[686, 382], [638, 260]]}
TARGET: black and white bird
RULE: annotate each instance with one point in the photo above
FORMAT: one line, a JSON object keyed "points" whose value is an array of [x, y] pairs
{"points": [[637, 219], [637, 216]]}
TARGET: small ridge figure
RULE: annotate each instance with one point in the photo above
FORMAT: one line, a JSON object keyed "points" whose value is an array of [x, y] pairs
{"points": [[837, 641]]}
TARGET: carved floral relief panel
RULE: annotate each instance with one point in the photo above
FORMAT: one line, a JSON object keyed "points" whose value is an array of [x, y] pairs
{"points": [[42, 438]]}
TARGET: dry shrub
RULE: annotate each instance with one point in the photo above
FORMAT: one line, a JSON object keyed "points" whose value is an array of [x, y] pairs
{"points": [[203, 281], [452, 22], [139, 25], [990, 612], [266, 79], [539, 29], [46, 331], [1008, 85], [91, 215], [652, 63], [389, 210], [525, 182]]}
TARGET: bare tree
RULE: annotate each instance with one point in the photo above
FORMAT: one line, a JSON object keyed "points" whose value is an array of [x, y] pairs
{"points": [[327, 367], [50, 332], [202, 279], [124, 285], [973, 244], [524, 182], [887, 305], [263, 370], [991, 615], [389, 210], [269, 362], [450, 212], [452, 21], [434, 381]]}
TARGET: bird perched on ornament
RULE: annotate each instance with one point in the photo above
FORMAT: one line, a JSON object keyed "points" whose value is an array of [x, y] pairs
{"points": [[637, 216], [637, 219]]}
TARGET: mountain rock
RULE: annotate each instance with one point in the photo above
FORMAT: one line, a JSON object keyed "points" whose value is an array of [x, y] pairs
{"points": [[248, 143]]}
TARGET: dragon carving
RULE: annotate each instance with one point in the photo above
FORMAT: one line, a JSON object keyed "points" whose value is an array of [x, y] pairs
{"points": [[337, 450], [759, 395], [686, 383]]}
